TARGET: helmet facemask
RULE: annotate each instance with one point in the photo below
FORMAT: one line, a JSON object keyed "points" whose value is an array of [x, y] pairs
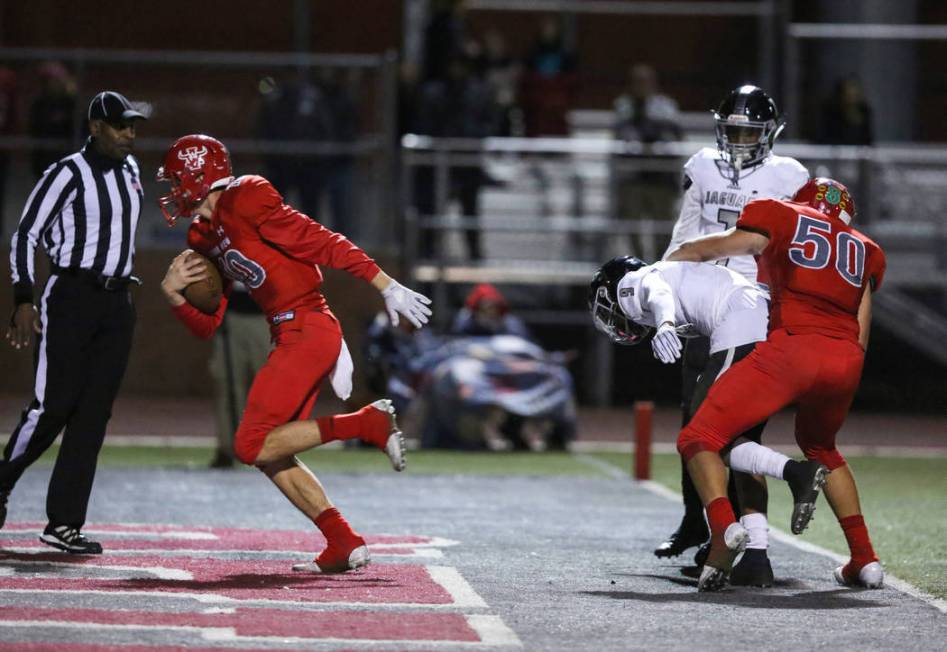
{"points": [[609, 318], [743, 142], [181, 202], [194, 166]]}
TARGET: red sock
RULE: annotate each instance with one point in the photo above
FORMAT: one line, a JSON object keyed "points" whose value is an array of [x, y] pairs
{"points": [[333, 527], [368, 424], [720, 516], [856, 533]]}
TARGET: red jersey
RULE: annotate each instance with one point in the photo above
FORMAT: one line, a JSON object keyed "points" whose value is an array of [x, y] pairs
{"points": [[274, 249], [817, 266]]}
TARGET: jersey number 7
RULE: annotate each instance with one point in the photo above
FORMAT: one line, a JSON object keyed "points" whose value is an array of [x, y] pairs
{"points": [[849, 250], [729, 219]]}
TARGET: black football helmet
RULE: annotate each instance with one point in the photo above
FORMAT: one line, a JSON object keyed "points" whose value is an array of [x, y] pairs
{"points": [[607, 315], [747, 123]]}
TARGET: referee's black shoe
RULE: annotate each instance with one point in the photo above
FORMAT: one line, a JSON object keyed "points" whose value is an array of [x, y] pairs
{"points": [[692, 532], [68, 538], [806, 480]]}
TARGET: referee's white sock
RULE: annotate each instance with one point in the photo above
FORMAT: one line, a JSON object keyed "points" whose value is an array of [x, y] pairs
{"points": [[750, 457], [758, 528]]}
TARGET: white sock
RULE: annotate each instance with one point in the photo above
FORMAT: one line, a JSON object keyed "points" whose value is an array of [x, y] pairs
{"points": [[750, 457], [758, 528]]}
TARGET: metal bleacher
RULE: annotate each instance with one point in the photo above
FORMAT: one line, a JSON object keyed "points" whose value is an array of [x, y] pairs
{"points": [[547, 222]]}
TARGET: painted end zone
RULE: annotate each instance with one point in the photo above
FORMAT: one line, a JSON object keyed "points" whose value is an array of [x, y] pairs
{"points": [[236, 580], [159, 583]]}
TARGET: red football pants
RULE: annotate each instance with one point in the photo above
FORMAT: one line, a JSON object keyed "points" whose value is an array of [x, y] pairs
{"points": [[818, 374], [286, 387]]}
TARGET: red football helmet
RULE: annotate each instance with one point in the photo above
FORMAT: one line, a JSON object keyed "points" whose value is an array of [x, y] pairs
{"points": [[827, 196], [193, 165]]}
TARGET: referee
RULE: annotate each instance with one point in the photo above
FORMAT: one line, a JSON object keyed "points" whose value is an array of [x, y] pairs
{"points": [[84, 210]]}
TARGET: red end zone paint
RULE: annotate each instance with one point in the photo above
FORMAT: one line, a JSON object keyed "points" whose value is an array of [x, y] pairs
{"points": [[233, 599], [274, 622], [238, 579], [202, 538], [93, 647]]}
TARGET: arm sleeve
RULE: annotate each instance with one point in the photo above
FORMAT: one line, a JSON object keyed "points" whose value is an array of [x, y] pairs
{"points": [[687, 226], [200, 325], [656, 293], [56, 187], [302, 237]]}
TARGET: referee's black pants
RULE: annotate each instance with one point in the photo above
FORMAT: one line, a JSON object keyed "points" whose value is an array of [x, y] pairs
{"points": [[79, 360]]}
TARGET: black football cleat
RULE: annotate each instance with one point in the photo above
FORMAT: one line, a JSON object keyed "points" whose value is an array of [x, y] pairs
{"points": [[700, 557], [692, 532], [4, 497], [753, 569], [69, 539], [806, 480]]}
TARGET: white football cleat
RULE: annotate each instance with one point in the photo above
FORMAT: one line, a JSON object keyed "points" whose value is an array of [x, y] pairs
{"points": [[394, 447], [716, 570], [871, 576], [358, 558]]}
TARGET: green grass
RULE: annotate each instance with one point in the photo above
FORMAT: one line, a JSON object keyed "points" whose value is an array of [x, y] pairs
{"points": [[905, 505], [904, 499]]}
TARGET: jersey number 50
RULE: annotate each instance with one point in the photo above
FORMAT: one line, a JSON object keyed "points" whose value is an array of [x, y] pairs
{"points": [[849, 250]]}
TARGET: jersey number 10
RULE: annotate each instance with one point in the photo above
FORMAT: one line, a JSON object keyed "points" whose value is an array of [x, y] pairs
{"points": [[849, 250]]}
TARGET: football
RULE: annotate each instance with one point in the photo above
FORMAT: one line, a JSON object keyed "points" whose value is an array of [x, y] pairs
{"points": [[205, 295]]}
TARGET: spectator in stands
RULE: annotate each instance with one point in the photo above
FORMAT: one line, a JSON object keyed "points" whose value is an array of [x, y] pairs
{"points": [[644, 115], [293, 111], [549, 83], [461, 106], [444, 38], [8, 119], [337, 171], [487, 312], [502, 72], [53, 114], [846, 116]]}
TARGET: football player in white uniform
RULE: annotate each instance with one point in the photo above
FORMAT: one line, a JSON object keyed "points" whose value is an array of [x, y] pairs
{"points": [[629, 300], [717, 184]]}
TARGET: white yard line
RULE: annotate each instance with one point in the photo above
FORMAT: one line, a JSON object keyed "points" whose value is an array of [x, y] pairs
{"points": [[777, 534], [229, 635], [160, 572], [851, 450], [607, 468], [416, 553], [217, 599], [492, 630], [458, 588]]}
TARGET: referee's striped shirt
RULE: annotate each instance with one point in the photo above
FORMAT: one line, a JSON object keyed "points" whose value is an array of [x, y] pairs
{"points": [[85, 212]]}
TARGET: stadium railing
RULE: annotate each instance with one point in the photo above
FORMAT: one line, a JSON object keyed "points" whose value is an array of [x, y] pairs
{"points": [[219, 93], [548, 218]]}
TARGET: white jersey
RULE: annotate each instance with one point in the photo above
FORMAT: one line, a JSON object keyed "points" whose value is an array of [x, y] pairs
{"points": [[699, 299], [713, 200]]}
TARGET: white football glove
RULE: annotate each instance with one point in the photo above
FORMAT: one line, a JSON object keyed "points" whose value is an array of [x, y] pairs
{"points": [[665, 344], [411, 304]]}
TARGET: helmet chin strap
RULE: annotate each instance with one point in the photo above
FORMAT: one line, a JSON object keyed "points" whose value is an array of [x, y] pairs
{"points": [[737, 165]]}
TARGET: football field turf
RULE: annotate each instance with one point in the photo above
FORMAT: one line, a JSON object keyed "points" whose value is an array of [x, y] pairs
{"points": [[904, 499], [470, 552]]}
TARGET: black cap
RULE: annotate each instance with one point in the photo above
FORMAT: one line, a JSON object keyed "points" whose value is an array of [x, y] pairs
{"points": [[112, 107]]}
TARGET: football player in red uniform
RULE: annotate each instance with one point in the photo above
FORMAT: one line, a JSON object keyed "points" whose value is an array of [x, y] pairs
{"points": [[243, 226], [822, 273]]}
